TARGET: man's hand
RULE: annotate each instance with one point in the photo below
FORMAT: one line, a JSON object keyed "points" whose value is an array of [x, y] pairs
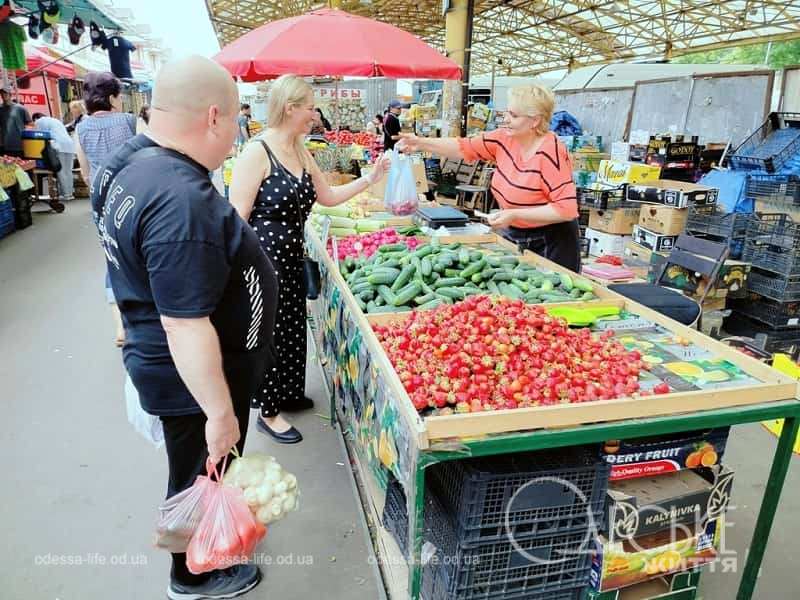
{"points": [[502, 218], [222, 433], [407, 143]]}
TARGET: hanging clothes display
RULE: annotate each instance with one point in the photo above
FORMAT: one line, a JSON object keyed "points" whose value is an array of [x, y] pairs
{"points": [[98, 35], [76, 30], [12, 38], [33, 27], [119, 55]]}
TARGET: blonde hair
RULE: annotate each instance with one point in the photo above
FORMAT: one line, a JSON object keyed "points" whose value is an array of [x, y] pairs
{"points": [[78, 104], [534, 100], [288, 90]]}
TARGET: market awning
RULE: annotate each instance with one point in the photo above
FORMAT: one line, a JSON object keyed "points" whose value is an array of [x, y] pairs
{"points": [[85, 9], [37, 59]]}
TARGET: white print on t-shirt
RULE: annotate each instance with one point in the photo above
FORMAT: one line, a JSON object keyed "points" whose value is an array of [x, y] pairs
{"points": [[122, 210], [256, 306]]}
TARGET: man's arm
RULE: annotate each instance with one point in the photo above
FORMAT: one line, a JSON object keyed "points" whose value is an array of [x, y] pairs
{"points": [[194, 346]]}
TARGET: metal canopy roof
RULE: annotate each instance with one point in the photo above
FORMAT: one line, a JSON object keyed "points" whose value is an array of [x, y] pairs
{"points": [[535, 36]]}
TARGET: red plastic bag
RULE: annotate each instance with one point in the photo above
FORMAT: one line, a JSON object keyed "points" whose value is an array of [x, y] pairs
{"points": [[227, 533], [181, 514]]}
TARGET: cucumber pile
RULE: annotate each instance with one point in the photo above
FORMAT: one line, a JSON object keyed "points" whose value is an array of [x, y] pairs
{"points": [[396, 279]]}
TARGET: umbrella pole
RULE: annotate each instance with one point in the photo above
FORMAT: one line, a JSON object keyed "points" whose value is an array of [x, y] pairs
{"points": [[336, 103]]}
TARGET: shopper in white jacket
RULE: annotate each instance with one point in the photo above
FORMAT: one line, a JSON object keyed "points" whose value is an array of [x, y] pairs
{"points": [[62, 142]]}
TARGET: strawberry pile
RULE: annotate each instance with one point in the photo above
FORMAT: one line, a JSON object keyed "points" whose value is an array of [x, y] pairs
{"points": [[490, 353]]}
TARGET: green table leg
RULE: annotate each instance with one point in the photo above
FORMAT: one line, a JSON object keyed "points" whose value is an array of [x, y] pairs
{"points": [[777, 476], [415, 568]]}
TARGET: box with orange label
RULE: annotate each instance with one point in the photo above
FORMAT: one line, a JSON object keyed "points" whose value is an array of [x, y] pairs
{"points": [[637, 507], [646, 457]]}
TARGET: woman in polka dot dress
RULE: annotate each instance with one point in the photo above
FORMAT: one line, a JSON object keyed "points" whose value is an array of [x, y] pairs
{"points": [[275, 182]]}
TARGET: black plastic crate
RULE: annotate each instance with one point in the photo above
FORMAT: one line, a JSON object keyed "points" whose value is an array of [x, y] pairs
{"points": [[22, 202], [525, 494], [544, 568], [778, 230], [775, 315], [772, 258], [774, 287], [605, 199], [712, 221], [395, 515], [764, 337], [774, 188], [769, 146]]}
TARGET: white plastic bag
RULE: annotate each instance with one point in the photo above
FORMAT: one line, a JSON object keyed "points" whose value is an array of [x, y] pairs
{"points": [[400, 197], [147, 425]]}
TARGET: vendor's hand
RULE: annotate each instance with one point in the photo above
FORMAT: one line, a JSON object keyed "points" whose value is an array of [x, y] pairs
{"points": [[379, 169], [500, 219], [408, 143], [222, 434]]}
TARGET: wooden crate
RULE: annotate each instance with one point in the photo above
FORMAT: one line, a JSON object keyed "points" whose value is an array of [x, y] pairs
{"points": [[774, 385]]}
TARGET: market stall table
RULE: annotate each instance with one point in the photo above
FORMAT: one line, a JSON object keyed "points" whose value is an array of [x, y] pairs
{"points": [[389, 439]]}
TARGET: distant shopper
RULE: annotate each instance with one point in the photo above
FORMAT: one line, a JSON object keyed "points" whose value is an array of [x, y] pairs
{"points": [[325, 123], [13, 119], [77, 111], [375, 126], [244, 125], [100, 134], [62, 143], [391, 125]]}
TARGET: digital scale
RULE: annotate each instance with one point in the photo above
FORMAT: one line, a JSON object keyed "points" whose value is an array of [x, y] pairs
{"points": [[442, 216]]}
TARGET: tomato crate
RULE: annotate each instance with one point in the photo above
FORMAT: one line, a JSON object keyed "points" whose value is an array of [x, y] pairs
{"points": [[710, 220], [777, 315], [544, 568], [526, 495], [772, 286], [769, 146]]}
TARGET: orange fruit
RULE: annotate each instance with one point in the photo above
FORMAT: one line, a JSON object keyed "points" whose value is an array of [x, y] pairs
{"points": [[709, 458], [693, 460]]}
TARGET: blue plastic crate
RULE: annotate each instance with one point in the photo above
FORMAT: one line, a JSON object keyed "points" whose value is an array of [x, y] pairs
{"points": [[527, 495], [6, 218], [770, 146]]}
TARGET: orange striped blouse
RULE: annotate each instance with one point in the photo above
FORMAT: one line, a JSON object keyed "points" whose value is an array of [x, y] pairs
{"points": [[544, 178]]}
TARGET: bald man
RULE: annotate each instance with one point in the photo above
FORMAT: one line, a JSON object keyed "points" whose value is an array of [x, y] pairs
{"points": [[196, 292]]}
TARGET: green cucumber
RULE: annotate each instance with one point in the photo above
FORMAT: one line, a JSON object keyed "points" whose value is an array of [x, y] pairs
{"points": [[392, 248], [452, 273], [492, 287], [388, 309], [366, 295], [463, 257], [566, 282], [439, 267], [510, 291], [392, 263], [426, 267], [474, 268], [408, 293], [361, 287], [576, 293], [423, 251], [509, 260], [387, 294], [551, 297], [522, 285], [583, 285], [475, 255], [370, 306], [588, 296], [547, 285], [451, 292], [383, 276], [425, 298], [532, 299], [476, 278], [426, 289], [453, 246], [502, 276], [379, 301], [361, 304], [449, 282], [494, 261], [431, 304]]}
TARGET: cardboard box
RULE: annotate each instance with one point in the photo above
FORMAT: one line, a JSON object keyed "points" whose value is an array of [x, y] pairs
{"points": [[587, 161], [731, 283], [663, 219], [601, 244], [619, 220], [420, 177], [646, 457], [640, 253], [637, 507], [620, 151], [680, 586], [653, 240], [621, 564], [678, 194], [616, 173]]}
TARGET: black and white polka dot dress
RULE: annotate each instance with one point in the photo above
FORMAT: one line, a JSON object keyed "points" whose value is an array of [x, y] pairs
{"points": [[275, 220]]}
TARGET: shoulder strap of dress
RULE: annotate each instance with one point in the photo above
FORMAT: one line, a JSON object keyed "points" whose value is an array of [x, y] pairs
{"points": [[273, 161]]}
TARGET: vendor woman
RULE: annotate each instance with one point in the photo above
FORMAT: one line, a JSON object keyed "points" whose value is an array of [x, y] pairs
{"points": [[532, 182]]}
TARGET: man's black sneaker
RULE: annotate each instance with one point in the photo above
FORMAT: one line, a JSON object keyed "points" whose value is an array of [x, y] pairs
{"points": [[228, 583]]}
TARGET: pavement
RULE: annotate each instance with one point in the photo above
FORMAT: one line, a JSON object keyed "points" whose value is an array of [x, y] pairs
{"points": [[81, 489]]}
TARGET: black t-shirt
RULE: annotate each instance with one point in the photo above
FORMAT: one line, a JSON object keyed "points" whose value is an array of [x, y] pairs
{"points": [[119, 55], [391, 126], [13, 119], [175, 247]]}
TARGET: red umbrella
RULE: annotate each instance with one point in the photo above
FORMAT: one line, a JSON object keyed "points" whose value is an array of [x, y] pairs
{"points": [[333, 42]]}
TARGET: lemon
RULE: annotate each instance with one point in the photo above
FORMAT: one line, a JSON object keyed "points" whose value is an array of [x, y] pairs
{"points": [[684, 369]]}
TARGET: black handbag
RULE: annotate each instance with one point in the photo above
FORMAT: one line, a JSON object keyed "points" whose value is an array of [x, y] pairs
{"points": [[50, 158], [311, 272]]}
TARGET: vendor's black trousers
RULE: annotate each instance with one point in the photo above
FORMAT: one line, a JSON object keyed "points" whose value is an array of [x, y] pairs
{"points": [[187, 450], [559, 242]]}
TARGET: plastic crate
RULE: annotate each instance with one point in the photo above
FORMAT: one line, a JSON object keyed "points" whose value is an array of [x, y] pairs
{"points": [[773, 243], [711, 220], [22, 202], [786, 341], [544, 568], [7, 225], [605, 199], [774, 259], [526, 495], [773, 314], [769, 146], [774, 188], [774, 287], [395, 514]]}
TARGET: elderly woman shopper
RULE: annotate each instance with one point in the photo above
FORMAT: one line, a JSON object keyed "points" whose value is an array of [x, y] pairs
{"points": [[275, 182], [533, 180], [101, 133]]}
